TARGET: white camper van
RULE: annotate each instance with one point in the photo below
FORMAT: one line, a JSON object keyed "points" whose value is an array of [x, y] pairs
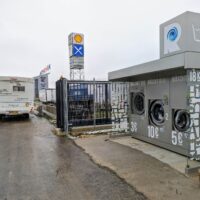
{"points": [[16, 96]]}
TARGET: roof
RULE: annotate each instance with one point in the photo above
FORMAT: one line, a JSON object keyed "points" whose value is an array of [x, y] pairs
{"points": [[184, 61], [14, 78]]}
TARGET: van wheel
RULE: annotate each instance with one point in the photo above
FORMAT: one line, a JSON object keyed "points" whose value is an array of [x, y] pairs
{"points": [[26, 116]]}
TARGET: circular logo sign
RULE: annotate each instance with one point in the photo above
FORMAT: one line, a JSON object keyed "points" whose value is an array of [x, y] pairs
{"points": [[78, 38], [172, 34]]}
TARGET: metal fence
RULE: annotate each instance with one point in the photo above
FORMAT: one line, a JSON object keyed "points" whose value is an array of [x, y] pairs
{"points": [[87, 102]]}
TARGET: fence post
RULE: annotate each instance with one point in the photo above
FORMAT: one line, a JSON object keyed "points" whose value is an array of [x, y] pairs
{"points": [[65, 104], [94, 92], [58, 103], [106, 101], [62, 104]]}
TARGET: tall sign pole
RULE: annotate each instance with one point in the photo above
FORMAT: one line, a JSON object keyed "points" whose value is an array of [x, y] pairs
{"points": [[76, 56]]}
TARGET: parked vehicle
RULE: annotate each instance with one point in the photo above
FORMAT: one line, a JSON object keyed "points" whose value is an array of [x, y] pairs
{"points": [[16, 96], [47, 95]]}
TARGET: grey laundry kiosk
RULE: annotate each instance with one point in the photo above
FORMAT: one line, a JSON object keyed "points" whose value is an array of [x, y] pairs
{"points": [[161, 101]]}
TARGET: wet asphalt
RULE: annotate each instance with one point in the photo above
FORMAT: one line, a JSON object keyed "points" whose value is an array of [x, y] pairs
{"points": [[37, 165]]}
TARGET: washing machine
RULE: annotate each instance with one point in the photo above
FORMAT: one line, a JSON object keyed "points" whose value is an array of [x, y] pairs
{"points": [[137, 111], [181, 122], [159, 114]]}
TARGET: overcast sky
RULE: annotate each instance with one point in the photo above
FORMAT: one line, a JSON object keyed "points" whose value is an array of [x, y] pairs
{"points": [[118, 33]]}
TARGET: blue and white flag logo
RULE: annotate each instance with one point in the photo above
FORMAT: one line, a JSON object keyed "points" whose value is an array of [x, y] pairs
{"points": [[172, 34], [78, 50]]}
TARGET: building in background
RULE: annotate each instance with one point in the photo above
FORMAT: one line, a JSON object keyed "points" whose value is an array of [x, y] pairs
{"points": [[42, 81], [159, 101]]}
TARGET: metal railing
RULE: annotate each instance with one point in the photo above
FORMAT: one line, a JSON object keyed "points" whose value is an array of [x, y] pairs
{"points": [[87, 102]]}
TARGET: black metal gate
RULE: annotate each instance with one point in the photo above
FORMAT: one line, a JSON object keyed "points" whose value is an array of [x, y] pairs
{"points": [[61, 105], [87, 103]]}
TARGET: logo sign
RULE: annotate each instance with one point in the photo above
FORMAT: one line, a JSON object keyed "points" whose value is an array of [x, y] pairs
{"points": [[76, 38], [77, 60], [78, 50], [172, 34], [196, 33], [43, 82]]}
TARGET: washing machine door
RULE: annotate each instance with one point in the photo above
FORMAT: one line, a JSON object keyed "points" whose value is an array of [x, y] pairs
{"points": [[138, 103], [181, 120], [157, 114]]}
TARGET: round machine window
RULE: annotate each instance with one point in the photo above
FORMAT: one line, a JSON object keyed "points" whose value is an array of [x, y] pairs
{"points": [[138, 103], [181, 120], [157, 113]]}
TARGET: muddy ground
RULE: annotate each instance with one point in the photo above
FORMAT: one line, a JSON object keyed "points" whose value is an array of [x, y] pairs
{"points": [[37, 165], [155, 179]]}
